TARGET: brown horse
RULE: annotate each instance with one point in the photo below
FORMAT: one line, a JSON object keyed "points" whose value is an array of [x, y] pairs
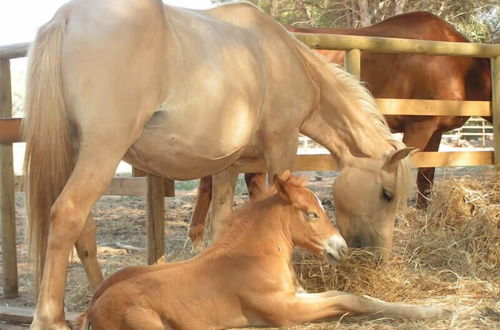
{"points": [[398, 76], [183, 94], [243, 279]]}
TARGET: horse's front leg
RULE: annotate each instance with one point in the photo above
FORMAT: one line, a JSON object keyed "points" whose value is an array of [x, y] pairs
{"points": [[280, 156], [222, 202], [301, 308]]}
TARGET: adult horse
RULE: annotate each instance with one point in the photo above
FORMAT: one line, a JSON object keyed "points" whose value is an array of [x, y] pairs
{"points": [[244, 277], [182, 94], [398, 76]]}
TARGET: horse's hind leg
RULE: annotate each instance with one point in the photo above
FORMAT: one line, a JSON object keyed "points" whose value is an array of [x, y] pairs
{"points": [[418, 134], [256, 183], [222, 203], [425, 176], [94, 169], [86, 249], [200, 212]]}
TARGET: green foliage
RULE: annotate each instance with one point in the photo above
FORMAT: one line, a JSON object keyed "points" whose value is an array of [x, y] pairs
{"points": [[476, 19]]}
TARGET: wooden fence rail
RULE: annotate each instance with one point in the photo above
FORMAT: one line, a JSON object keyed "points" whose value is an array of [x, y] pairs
{"points": [[155, 188]]}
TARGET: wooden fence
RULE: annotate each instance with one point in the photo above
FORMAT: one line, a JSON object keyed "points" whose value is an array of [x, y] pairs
{"points": [[155, 188]]}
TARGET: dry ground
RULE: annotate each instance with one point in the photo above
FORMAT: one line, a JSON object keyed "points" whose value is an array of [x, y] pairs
{"points": [[446, 256]]}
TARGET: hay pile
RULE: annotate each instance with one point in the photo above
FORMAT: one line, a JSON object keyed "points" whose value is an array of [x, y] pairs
{"points": [[446, 255]]}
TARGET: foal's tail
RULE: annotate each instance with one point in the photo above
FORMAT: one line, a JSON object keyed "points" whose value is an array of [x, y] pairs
{"points": [[46, 129]]}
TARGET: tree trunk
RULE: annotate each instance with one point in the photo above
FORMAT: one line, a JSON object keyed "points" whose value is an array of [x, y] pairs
{"points": [[364, 15], [400, 7]]}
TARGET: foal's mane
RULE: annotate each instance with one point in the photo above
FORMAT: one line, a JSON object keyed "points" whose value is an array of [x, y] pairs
{"points": [[253, 211]]}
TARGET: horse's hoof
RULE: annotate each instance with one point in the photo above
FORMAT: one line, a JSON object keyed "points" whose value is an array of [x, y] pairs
{"points": [[196, 247], [196, 235]]}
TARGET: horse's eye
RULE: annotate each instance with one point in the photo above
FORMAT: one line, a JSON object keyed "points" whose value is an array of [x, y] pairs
{"points": [[387, 195], [311, 215]]}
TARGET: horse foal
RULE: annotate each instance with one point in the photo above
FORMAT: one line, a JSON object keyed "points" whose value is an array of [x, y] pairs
{"points": [[244, 279]]}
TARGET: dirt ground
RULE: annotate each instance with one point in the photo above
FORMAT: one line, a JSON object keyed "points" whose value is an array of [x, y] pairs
{"points": [[121, 237]]}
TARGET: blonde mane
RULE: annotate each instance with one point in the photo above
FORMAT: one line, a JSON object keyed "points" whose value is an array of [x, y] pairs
{"points": [[360, 97], [405, 178]]}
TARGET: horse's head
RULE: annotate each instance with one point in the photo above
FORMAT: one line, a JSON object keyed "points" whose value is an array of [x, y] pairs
{"points": [[309, 225], [366, 195]]}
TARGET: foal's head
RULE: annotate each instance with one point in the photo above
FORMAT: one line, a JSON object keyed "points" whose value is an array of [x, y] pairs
{"points": [[309, 225]]}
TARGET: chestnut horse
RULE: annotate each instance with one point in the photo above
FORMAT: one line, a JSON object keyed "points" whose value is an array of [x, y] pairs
{"points": [[182, 94], [243, 279], [398, 76]]}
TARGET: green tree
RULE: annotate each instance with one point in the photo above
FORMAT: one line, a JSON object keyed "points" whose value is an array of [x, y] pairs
{"points": [[476, 19]]}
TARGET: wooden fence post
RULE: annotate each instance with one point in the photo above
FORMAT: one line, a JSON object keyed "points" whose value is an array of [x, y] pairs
{"points": [[7, 195], [352, 62], [495, 107], [156, 219]]}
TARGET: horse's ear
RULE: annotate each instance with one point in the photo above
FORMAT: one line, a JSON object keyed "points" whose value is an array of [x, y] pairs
{"points": [[281, 184], [395, 156]]}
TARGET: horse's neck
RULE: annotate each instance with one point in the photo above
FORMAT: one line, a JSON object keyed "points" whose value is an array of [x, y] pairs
{"points": [[339, 123]]}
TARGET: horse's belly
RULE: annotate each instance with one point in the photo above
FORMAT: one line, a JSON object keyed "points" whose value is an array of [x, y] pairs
{"points": [[185, 150]]}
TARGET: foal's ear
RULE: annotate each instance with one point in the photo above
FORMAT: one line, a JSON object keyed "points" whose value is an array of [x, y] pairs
{"points": [[285, 175], [281, 184]]}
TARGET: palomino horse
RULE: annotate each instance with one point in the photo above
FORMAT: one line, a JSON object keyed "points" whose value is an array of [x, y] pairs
{"points": [[398, 76], [244, 278], [183, 94]]}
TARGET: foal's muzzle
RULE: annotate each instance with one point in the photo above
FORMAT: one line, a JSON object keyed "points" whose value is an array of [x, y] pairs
{"points": [[335, 249]]}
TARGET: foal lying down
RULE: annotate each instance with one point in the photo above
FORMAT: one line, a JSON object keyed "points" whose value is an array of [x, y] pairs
{"points": [[244, 279]]}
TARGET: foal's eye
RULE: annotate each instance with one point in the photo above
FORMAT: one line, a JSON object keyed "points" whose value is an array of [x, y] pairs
{"points": [[311, 215], [387, 195]]}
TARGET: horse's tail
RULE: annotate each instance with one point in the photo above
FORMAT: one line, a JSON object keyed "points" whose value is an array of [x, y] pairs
{"points": [[48, 158]]}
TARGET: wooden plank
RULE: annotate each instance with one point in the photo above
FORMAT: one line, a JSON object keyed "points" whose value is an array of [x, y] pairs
{"points": [[453, 158], [352, 62], [7, 195], [325, 162], [18, 315], [127, 187], [117, 187], [14, 51], [410, 107], [10, 130], [397, 45], [156, 219], [495, 78], [169, 184]]}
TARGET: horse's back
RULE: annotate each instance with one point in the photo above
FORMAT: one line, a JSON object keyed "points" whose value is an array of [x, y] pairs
{"points": [[222, 93]]}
